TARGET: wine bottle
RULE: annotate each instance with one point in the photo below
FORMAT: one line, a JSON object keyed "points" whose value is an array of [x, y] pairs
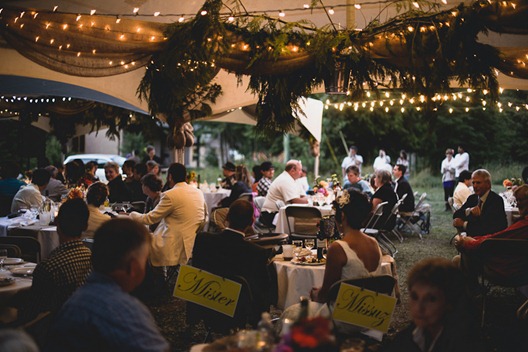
{"points": [[321, 245]]}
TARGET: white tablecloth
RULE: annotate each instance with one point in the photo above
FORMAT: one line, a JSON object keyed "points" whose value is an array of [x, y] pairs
{"points": [[294, 280], [46, 235], [213, 198], [281, 223], [511, 213]]}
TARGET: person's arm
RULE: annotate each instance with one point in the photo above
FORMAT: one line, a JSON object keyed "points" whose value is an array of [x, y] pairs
{"points": [[375, 203], [163, 209], [335, 261], [300, 200]]}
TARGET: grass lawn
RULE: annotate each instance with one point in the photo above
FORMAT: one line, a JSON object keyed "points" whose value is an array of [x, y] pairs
{"points": [[502, 331]]}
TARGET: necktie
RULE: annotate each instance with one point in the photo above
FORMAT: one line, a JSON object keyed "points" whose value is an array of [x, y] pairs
{"points": [[480, 203]]}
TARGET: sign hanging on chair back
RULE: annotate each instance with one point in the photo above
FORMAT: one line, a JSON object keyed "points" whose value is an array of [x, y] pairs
{"points": [[361, 307], [208, 290]]}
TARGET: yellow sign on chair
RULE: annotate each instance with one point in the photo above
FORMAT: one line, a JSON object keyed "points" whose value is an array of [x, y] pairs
{"points": [[208, 290], [365, 308]]}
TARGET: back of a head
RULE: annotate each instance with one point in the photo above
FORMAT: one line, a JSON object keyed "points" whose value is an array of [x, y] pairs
{"points": [[257, 172], [440, 273], [291, 165], [40, 177], [384, 175], [115, 242], [73, 217], [178, 172], [354, 206], [464, 175], [525, 175], [129, 163], [152, 182], [96, 194], [240, 214], [521, 196]]}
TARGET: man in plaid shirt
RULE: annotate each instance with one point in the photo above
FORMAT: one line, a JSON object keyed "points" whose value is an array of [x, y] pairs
{"points": [[264, 184]]}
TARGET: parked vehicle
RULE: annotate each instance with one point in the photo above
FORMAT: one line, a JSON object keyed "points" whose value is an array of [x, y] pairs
{"points": [[101, 160]]}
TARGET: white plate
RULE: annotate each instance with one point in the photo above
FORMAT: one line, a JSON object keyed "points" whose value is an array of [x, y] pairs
{"points": [[22, 271], [297, 262], [13, 261]]}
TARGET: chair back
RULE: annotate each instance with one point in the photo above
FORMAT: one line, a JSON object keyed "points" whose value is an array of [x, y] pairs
{"points": [[305, 220], [378, 212], [220, 323], [13, 251], [451, 203], [88, 243], [247, 196], [279, 204], [259, 202], [514, 251], [420, 201], [218, 219], [29, 247]]}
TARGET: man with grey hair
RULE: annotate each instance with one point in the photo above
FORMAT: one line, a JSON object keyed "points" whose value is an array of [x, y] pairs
{"points": [[283, 189], [483, 212]]}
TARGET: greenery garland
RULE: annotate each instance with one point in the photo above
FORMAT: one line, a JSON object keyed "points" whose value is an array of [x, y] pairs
{"points": [[417, 51]]}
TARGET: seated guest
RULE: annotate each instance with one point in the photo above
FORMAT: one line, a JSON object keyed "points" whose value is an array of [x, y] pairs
{"points": [[267, 170], [89, 172], [356, 182], [134, 183], [303, 181], [228, 170], [55, 189], [95, 197], [227, 253], [384, 193], [117, 187], [462, 190], [153, 167], [180, 212], [151, 186], [483, 212], [240, 186], [9, 186], [30, 196], [503, 267], [101, 315], [283, 189], [257, 175], [151, 155], [74, 173], [403, 187], [57, 277], [128, 170], [440, 311], [356, 255]]}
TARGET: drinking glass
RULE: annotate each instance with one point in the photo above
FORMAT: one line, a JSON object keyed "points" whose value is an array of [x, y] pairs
{"points": [[3, 257], [309, 244], [297, 247]]}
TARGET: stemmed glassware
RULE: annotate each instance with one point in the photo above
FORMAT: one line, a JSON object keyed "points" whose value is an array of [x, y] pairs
{"points": [[3, 257], [309, 244], [297, 247]]}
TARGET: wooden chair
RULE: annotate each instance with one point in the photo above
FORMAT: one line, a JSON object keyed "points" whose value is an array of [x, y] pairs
{"points": [[13, 251], [514, 250], [29, 247], [219, 323], [305, 220], [383, 284]]}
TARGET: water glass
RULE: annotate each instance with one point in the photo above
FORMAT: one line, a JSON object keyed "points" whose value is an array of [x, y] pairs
{"points": [[297, 247], [309, 244], [3, 257]]}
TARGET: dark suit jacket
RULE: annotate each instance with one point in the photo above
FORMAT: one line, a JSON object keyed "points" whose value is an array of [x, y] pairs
{"points": [[403, 187], [227, 253], [492, 218]]}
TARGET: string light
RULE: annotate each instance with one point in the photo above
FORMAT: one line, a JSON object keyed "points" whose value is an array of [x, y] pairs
{"points": [[281, 13], [331, 11]]}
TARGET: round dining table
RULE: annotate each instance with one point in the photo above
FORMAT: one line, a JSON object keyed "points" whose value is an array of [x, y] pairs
{"points": [[19, 283]]}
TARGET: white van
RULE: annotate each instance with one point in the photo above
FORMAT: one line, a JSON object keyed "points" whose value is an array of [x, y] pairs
{"points": [[100, 159]]}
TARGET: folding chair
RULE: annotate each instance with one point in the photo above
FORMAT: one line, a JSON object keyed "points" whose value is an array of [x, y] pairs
{"points": [[383, 284], [13, 251], [516, 251], [258, 226], [375, 230], [305, 220], [451, 203], [216, 322], [29, 247], [418, 221]]}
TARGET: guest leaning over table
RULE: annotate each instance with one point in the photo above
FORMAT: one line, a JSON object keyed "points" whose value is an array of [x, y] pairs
{"points": [[57, 277], [440, 312], [101, 315], [356, 255], [180, 211]]}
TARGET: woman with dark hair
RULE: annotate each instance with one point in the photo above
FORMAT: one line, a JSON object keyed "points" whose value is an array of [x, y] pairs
{"points": [[73, 173], [403, 160], [89, 173], [439, 309], [356, 255], [242, 185], [384, 193], [95, 197], [151, 186], [257, 175]]}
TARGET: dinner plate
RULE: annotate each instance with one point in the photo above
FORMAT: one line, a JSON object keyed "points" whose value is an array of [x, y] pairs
{"points": [[6, 281], [22, 271], [13, 261], [307, 263]]}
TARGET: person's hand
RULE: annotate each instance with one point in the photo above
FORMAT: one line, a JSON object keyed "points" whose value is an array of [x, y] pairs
{"points": [[458, 222], [475, 211], [314, 294], [459, 242]]}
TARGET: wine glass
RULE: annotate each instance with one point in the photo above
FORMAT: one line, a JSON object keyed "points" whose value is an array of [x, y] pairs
{"points": [[309, 244], [297, 247], [3, 257]]}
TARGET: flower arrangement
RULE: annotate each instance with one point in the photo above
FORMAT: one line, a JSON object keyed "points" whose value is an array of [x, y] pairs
{"points": [[191, 177], [335, 181], [308, 335], [320, 186], [76, 192], [510, 182]]}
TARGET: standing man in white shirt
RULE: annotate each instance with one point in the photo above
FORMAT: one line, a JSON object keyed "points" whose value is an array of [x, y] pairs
{"points": [[382, 161], [461, 161], [283, 189], [352, 159], [448, 176]]}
